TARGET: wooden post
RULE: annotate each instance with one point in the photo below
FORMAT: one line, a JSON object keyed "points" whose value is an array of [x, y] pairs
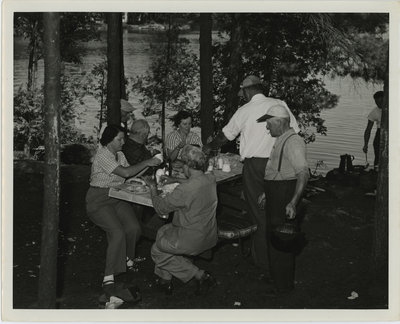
{"points": [[51, 196]]}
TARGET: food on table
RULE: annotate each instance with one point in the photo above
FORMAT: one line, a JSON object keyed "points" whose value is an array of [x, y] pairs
{"points": [[137, 186], [136, 181]]}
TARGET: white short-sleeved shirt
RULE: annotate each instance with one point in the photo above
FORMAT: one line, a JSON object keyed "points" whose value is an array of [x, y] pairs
{"points": [[375, 116], [255, 141], [104, 163]]}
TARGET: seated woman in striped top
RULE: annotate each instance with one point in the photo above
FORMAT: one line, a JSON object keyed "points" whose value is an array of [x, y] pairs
{"points": [[116, 217], [181, 136]]}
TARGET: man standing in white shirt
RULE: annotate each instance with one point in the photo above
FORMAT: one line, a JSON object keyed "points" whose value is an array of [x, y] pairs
{"points": [[255, 149]]}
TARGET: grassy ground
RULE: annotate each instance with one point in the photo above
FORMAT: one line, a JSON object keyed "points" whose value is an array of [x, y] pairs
{"points": [[334, 263]]}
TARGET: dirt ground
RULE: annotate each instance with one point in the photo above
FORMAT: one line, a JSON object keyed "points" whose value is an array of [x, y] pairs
{"points": [[338, 227]]}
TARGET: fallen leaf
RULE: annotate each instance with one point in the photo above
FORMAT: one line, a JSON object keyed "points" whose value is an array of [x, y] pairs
{"points": [[353, 295]]}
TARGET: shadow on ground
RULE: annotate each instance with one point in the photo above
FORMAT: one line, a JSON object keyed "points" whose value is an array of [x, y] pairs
{"points": [[338, 226]]}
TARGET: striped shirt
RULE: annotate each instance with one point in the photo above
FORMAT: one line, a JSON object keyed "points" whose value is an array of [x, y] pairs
{"points": [[104, 163], [174, 138]]}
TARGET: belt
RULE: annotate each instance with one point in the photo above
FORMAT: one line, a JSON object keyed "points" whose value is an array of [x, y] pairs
{"points": [[255, 157]]}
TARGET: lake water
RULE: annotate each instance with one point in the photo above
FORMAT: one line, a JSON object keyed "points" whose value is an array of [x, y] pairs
{"points": [[346, 122]]}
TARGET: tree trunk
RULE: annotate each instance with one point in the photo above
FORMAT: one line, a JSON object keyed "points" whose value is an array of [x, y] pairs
{"points": [[380, 241], [121, 54], [32, 62], [163, 104], [235, 75], [114, 68], [51, 196], [206, 77]]}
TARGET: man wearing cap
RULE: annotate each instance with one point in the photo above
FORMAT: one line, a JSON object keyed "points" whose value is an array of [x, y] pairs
{"points": [[126, 117], [255, 148], [286, 176]]}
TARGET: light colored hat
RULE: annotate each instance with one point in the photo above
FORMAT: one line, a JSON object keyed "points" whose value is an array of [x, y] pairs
{"points": [[247, 82], [126, 106], [275, 111]]}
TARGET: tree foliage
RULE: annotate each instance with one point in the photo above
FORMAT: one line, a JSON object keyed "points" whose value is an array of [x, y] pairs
{"points": [[28, 114], [292, 53], [173, 77], [97, 87], [76, 28]]}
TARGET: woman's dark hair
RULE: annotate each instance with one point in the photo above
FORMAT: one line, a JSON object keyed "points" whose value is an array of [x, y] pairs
{"points": [[109, 134], [183, 114]]}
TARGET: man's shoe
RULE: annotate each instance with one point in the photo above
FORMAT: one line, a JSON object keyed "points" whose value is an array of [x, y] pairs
{"points": [[204, 284], [164, 286]]}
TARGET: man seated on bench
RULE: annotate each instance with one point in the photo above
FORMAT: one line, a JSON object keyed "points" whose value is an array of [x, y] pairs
{"points": [[193, 229]]}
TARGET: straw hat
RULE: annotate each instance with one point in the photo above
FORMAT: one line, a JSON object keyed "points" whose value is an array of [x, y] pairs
{"points": [[247, 82]]}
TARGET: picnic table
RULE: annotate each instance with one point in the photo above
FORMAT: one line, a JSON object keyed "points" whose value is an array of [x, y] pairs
{"points": [[122, 191], [232, 224]]}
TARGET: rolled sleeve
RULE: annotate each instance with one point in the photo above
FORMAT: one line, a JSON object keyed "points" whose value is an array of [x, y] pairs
{"points": [[232, 129]]}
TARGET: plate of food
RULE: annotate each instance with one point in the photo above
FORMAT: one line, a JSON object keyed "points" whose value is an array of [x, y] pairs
{"points": [[137, 186], [135, 181]]}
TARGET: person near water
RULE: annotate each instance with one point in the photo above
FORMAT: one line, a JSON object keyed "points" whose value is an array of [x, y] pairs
{"points": [[374, 117]]}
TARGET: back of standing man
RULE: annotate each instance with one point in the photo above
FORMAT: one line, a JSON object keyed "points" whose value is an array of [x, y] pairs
{"points": [[255, 149]]}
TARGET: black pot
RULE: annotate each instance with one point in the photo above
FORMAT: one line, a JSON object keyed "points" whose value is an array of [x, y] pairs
{"points": [[287, 237]]}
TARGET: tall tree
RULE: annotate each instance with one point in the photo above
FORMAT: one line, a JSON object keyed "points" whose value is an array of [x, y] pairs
{"points": [[380, 242], [75, 29], [51, 198], [121, 54], [235, 73], [206, 78], [30, 25], [114, 68]]}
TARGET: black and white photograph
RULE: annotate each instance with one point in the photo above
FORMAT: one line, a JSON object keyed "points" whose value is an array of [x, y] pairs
{"points": [[227, 158]]}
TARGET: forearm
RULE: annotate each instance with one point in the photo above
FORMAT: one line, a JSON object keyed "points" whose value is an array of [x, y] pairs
{"points": [[367, 132], [159, 204], [302, 179], [367, 135], [218, 141], [174, 153], [130, 171]]}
